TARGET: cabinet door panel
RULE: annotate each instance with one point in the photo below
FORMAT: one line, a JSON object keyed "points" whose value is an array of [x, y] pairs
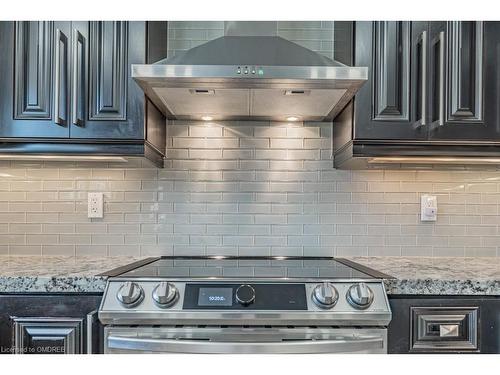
{"points": [[465, 85], [473, 321], [383, 106], [113, 101], [472, 73], [33, 74], [49, 322], [391, 71], [108, 71], [48, 335], [27, 79]]}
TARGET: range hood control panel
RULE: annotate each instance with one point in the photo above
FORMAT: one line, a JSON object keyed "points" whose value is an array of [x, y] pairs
{"points": [[251, 70]]}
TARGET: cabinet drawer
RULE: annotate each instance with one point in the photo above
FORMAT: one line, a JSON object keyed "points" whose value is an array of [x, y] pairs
{"points": [[444, 329]]}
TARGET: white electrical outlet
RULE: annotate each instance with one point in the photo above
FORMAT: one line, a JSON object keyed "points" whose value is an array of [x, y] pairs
{"points": [[428, 208], [95, 205]]}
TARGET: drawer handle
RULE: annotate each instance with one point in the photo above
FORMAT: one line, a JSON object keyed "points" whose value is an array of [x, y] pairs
{"points": [[448, 330]]}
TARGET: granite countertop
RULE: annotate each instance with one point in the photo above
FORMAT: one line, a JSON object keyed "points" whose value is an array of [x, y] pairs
{"points": [[438, 276], [53, 274], [412, 275]]}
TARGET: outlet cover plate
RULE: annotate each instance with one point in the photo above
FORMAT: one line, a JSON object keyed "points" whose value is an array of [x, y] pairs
{"points": [[428, 208], [95, 205]]}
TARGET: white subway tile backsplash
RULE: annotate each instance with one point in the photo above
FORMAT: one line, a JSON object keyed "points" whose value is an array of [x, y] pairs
{"points": [[123, 250], [15, 196], [109, 239], [26, 250], [26, 185], [25, 228], [12, 239], [270, 240], [277, 208], [273, 196], [230, 240], [91, 250], [205, 219]]}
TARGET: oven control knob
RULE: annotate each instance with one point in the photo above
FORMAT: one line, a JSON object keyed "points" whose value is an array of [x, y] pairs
{"points": [[325, 295], [165, 294], [360, 296], [130, 294], [245, 294]]}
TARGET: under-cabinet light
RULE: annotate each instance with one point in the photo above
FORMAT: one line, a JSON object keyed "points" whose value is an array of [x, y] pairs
{"points": [[432, 160], [28, 157]]}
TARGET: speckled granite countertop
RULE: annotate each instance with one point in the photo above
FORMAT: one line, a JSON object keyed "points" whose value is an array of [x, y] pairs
{"points": [[439, 276], [51, 274], [413, 275]]}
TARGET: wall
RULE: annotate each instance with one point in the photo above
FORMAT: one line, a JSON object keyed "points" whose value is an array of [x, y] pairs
{"points": [[315, 35], [247, 189], [254, 188]]}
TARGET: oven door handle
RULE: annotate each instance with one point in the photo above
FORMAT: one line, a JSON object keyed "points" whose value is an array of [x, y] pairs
{"points": [[345, 345]]}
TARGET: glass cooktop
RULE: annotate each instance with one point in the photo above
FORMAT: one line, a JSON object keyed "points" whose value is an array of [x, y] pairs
{"points": [[248, 268]]}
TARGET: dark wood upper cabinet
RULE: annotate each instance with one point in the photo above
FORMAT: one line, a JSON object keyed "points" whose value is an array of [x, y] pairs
{"points": [[391, 71], [432, 91], [108, 68], [383, 105], [67, 88], [34, 76], [110, 105], [465, 71], [33, 70], [426, 80], [458, 98], [72, 79]]}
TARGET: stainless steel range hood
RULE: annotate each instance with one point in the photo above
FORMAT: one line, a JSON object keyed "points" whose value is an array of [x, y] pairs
{"points": [[248, 75]]}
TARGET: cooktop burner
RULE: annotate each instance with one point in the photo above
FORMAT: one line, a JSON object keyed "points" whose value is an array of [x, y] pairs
{"points": [[247, 267]]}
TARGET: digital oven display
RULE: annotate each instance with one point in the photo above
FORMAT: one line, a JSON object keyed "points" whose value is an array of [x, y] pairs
{"points": [[215, 297]]}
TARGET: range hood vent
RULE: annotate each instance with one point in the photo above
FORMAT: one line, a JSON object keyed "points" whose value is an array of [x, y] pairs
{"points": [[246, 75]]}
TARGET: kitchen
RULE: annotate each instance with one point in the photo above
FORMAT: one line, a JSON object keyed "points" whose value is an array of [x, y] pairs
{"points": [[161, 180]]}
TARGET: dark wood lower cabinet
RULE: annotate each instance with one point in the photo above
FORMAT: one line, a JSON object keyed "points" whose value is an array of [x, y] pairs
{"points": [[444, 324], [48, 335], [67, 324], [49, 324]]}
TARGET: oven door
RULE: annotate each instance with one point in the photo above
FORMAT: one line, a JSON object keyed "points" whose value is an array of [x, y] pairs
{"points": [[242, 340]]}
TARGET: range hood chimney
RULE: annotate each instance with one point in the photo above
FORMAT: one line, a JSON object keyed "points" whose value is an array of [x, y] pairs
{"points": [[250, 74], [250, 28]]}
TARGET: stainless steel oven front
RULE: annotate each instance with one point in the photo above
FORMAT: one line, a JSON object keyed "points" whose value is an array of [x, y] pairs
{"points": [[152, 315], [244, 340]]}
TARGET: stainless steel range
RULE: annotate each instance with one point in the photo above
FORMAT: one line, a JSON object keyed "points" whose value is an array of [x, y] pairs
{"points": [[245, 305]]}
